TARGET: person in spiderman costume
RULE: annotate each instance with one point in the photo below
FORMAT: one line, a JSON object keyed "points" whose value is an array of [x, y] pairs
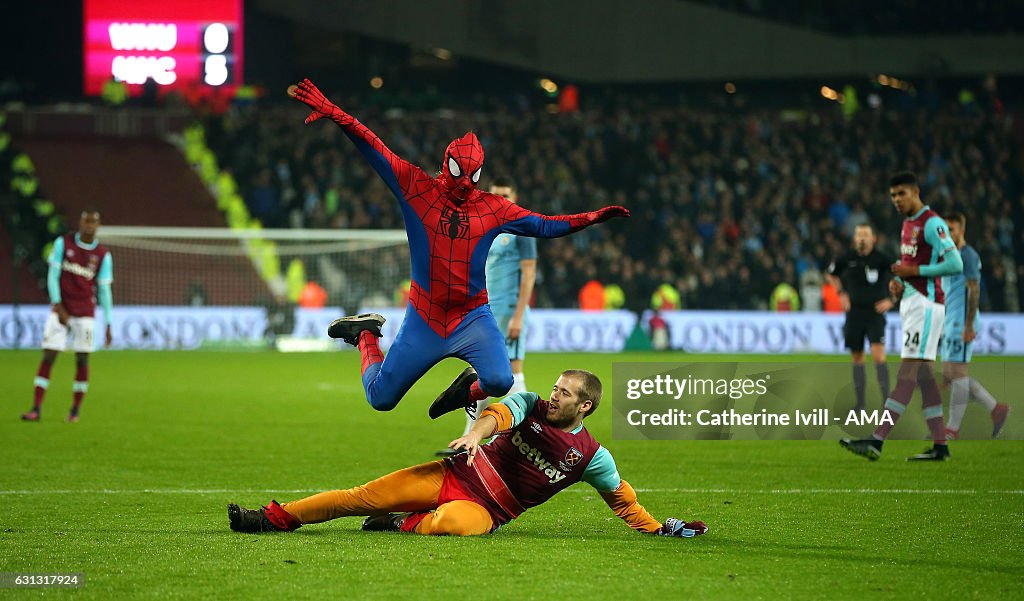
{"points": [[451, 225]]}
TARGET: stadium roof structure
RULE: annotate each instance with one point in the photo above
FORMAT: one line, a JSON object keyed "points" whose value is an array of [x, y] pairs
{"points": [[653, 40]]}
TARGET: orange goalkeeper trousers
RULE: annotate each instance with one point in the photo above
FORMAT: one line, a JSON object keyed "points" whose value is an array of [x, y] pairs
{"points": [[419, 489]]}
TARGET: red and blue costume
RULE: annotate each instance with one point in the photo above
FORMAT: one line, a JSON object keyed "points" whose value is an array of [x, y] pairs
{"points": [[451, 225]]}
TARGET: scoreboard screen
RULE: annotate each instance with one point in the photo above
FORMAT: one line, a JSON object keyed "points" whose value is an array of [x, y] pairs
{"points": [[176, 43]]}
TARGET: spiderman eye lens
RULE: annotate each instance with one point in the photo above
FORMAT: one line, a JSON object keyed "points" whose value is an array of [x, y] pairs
{"points": [[453, 167], [476, 175]]}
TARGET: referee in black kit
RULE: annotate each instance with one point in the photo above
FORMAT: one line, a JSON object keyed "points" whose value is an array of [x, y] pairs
{"points": [[862, 278]]}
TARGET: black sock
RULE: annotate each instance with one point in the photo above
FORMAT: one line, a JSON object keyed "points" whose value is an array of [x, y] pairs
{"points": [[859, 381], [883, 379]]}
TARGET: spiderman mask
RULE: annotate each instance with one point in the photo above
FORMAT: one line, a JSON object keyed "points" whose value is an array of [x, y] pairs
{"points": [[463, 163]]}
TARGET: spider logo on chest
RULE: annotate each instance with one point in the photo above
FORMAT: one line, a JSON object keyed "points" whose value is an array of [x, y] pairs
{"points": [[454, 224]]}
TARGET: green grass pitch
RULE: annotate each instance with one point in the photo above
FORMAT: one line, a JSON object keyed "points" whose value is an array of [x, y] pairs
{"points": [[134, 497]]}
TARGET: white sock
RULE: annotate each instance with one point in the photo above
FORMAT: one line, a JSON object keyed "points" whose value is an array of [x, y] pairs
{"points": [[981, 395], [518, 383], [959, 396], [480, 406]]}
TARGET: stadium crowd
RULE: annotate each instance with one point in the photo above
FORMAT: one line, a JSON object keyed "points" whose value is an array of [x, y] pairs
{"points": [[726, 205], [885, 17]]}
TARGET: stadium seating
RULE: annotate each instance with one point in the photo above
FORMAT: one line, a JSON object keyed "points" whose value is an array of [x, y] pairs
{"points": [[136, 181], [726, 205], [874, 17], [30, 290]]}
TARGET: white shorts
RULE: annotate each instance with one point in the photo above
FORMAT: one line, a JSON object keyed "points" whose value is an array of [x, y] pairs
{"points": [[81, 329], [921, 320]]}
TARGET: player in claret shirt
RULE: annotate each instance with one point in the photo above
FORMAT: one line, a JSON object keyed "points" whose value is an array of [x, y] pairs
{"points": [[81, 270], [927, 253], [541, 448], [451, 225]]}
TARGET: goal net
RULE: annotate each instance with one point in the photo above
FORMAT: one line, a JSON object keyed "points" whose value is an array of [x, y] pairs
{"points": [[225, 267]]}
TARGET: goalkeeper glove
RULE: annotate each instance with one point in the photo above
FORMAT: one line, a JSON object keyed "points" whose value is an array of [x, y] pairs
{"points": [[674, 527]]}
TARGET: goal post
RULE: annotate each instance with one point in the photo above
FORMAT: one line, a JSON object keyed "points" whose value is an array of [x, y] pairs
{"points": [[182, 266]]}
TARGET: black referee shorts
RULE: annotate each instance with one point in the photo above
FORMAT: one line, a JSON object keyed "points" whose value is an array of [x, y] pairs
{"points": [[863, 324]]}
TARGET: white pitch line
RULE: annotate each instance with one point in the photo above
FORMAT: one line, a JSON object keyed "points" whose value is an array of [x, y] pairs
{"points": [[696, 491], [836, 491], [158, 491]]}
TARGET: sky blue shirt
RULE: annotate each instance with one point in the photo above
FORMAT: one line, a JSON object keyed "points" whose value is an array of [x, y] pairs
{"points": [[955, 286], [502, 268]]}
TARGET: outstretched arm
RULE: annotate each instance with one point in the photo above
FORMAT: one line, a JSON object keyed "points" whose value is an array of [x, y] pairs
{"points": [[499, 417], [623, 503], [396, 172], [522, 222], [602, 474]]}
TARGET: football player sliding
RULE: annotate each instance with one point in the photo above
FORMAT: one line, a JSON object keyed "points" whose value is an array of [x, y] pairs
{"points": [[541, 448], [451, 225]]}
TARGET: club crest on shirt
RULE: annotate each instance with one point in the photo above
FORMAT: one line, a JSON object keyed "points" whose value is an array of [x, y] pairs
{"points": [[536, 427], [573, 456], [909, 247], [871, 275]]}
